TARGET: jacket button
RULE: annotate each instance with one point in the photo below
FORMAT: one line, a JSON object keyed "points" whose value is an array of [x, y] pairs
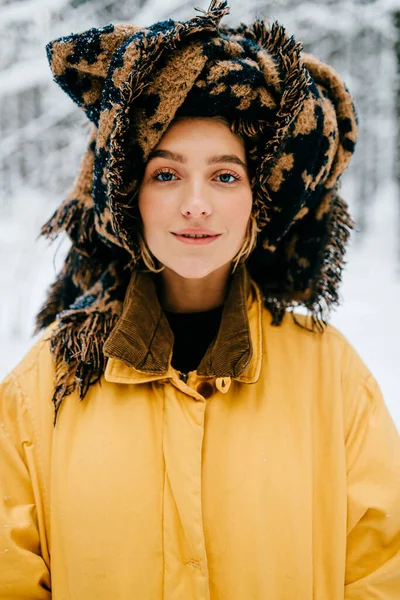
{"points": [[205, 389]]}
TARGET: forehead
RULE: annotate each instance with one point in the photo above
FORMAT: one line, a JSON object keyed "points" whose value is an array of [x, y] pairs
{"points": [[201, 133]]}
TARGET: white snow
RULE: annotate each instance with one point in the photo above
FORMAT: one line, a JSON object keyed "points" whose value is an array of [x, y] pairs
{"points": [[369, 316], [24, 76]]}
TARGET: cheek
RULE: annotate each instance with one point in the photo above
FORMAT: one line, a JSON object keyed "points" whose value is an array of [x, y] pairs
{"points": [[238, 213], [152, 210]]}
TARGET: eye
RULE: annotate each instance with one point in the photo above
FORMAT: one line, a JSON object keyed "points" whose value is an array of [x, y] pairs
{"points": [[163, 175], [227, 177]]}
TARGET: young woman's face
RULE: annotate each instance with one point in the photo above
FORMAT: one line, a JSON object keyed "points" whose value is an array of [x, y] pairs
{"points": [[196, 184]]}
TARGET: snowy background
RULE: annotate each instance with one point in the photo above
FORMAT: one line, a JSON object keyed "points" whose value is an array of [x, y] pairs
{"points": [[43, 135]]}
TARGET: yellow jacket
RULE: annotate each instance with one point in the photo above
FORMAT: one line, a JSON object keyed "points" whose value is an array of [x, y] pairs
{"points": [[276, 476]]}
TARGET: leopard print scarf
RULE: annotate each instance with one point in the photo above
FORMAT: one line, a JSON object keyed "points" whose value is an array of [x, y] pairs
{"points": [[299, 124]]}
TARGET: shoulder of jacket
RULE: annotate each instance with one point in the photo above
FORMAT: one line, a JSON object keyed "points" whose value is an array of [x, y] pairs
{"points": [[300, 326], [38, 357], [329, 344], [27, 410], [33, 377]]}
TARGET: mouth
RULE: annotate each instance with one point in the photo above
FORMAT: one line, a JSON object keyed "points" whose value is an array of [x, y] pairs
{"points": [[194, 235], [196, 238]]}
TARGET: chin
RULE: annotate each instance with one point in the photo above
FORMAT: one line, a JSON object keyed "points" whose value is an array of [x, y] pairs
{"points": [[192, 269]]}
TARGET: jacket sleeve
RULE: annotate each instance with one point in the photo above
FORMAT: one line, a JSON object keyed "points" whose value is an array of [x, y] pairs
{"points": [[373, 512], [24, 573]]}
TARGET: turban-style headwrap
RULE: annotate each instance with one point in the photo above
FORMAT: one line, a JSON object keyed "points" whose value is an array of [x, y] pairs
{"points": [[299, 125]]}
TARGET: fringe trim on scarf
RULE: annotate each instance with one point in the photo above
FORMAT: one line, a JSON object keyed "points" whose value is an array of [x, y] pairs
{"points": [[60, 295], [75, 216], [77, 220], [327, 284], [325, 295], [81, 330], [77, 346], [78, 275]]}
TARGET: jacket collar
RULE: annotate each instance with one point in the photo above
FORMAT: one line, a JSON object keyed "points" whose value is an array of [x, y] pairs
{"points": [[140, 346]]}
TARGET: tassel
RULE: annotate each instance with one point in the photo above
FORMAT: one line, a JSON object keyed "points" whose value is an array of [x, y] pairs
{"points": [[325, 294], [76, 346], [77, 342], [340, 227], [75, 215]]}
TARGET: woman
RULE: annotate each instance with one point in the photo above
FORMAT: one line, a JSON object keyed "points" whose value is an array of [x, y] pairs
{"points": [[176, 433]]}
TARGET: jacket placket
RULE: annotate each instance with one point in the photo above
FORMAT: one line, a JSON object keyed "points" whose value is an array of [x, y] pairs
{"points": [[185, 559]]}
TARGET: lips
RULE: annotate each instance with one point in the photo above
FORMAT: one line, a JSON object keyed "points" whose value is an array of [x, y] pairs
{"points": [[194, 236], [196, 231]]}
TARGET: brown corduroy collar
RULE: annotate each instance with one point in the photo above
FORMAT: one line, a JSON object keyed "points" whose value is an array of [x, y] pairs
{"points": [[142, 338]]}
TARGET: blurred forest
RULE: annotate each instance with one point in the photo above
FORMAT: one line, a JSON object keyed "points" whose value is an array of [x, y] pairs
{"points": [[43, 135]]}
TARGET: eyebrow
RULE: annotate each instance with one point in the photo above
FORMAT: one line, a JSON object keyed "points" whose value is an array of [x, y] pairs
{"points": [[220, 158]]}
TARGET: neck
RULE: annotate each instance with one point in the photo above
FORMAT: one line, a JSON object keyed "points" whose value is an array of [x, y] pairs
{"points": [[182, 295]]}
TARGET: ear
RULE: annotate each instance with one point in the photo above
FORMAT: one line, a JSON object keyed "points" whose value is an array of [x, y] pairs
{"points": [[79, 63]]}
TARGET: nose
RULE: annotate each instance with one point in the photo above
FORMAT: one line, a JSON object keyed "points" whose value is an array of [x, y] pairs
{"points": [[194, 204]]}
